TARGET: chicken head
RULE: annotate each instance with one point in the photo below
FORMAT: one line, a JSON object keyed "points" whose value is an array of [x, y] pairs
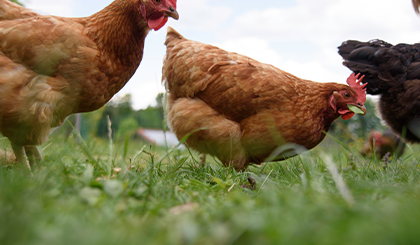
{"points": [[156, 12], [347, 101]]}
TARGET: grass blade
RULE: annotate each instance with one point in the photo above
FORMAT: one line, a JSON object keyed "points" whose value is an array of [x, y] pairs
{"points": [[84, 147], [182, 141], [138, 153], [336, 140], [339, 181], [111, 146], [264, 182], [127, 139], [286, 151]]}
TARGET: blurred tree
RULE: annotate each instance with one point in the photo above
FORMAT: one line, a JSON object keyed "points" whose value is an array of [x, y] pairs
{"points": [[152, 117], [159, 100], [90, 122], [121, 114], [149, 118], [123, 104], [116, 109], [127, 127]]}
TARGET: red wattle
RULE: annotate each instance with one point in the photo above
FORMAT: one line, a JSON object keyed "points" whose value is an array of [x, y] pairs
{"points": [[347, 116], [157, 21]]}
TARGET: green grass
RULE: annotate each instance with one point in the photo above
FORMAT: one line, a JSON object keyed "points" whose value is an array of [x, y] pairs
{"points": [[76, 197]]}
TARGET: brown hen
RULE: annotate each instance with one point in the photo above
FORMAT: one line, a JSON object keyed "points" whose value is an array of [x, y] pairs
{"points": [[248, 108], [53, 66]]}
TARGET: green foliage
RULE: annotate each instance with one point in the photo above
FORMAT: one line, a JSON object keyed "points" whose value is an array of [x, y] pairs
{"points": [[116, 110], [98, 192], [121, 110], [127, 126], [125, 120], [150, 118], [83, 194]]}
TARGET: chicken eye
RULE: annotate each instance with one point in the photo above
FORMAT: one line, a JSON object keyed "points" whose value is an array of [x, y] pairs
{"points": [[156, 1], [346, 95]]}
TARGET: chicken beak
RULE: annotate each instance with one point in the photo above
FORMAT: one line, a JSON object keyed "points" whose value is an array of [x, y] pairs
{"points": [[171, 12], [358, 109]]}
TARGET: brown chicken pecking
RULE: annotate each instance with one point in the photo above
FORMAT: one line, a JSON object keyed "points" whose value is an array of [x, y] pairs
{"points": [[246, 109], [53, 66]]}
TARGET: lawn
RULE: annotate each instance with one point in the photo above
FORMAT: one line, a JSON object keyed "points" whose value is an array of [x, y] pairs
{"points": [[124, 192]]}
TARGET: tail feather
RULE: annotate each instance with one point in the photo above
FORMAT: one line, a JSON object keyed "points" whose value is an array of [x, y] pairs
{"points": [[173, 37], [384, 65]]}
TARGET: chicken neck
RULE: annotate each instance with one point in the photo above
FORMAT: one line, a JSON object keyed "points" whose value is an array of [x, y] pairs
{"points": [[118, 32]]}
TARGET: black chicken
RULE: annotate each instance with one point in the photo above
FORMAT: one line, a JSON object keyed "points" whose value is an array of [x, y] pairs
{"points": [[393, 72]]}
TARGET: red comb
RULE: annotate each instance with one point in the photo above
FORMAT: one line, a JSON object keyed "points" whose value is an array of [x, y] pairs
{"points": [[354, 83]]}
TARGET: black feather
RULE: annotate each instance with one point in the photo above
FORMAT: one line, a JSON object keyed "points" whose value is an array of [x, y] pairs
{"points": [[392, 72]]}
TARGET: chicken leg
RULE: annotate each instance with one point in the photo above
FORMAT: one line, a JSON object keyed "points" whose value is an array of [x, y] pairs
{"points": [[203, 160], [21, 157], [33, 154]]}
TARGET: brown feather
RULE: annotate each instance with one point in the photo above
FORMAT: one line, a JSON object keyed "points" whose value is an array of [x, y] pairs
{"points": [[250, 108], [53, 66], [11, 11]]}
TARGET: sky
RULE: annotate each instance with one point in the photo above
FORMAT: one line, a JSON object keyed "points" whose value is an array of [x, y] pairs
{"points": [[297, 36]]}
